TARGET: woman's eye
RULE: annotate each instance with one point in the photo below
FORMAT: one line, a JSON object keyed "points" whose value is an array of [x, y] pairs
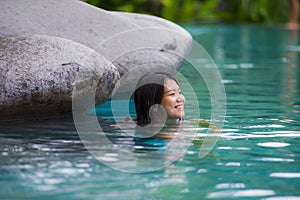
{"points": [[172, 94]]}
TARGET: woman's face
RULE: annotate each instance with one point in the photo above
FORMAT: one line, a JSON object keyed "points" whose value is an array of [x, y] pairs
{"points": [[173, 100]]}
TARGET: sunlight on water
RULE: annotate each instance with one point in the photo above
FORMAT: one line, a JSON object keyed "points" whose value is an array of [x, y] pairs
{"points": [[273, 144]]}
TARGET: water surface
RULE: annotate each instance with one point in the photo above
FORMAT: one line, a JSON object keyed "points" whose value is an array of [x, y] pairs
{"points": [[257, 156]]}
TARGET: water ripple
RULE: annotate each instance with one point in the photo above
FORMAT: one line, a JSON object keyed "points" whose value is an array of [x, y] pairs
{"points": [[241, 193], [286, 175], [273, 144]]}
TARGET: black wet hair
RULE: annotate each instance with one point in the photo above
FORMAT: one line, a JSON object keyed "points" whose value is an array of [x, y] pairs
{"points": [[149, 91]]}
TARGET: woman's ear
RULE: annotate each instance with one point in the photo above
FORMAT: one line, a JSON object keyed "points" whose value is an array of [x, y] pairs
{"points": [[158, 117], [158, 114]]}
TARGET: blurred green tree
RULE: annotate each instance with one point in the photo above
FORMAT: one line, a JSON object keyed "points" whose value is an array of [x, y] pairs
{"points": [[204, 11]]}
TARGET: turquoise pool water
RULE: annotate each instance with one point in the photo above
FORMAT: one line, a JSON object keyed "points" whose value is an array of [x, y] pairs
{"points": [[256, 157]]}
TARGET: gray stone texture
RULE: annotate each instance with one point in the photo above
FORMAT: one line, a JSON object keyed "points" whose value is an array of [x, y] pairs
{"points": [[91, 26], [47, 46], [38, 74]]}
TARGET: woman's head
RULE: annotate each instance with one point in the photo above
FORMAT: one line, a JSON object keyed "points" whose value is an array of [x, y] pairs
{"points": [[162, 89]]}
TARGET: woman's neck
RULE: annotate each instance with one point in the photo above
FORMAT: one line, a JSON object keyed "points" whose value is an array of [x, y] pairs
{"points": [[172, 121]]}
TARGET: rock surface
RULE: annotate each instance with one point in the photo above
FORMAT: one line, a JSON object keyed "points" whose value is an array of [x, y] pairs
{"points": [[44, 43], [38, 74], [91, 26]]}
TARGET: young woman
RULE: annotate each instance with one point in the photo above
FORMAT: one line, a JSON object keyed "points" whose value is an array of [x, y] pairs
{"points": [[159, 105], [158, 99]]}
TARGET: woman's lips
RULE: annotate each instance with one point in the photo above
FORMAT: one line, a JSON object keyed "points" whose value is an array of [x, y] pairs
{"points": [[181, 106]]}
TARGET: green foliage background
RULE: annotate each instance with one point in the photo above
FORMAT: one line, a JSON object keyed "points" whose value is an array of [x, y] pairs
{"points": [[204, 11]]}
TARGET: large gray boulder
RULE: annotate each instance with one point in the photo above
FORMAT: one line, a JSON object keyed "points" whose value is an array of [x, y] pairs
{"points": [[91, 26], [44, 43], [39, 73]]}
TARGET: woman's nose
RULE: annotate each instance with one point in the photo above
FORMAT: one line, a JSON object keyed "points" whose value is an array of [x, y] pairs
{"points": [[180, 97]]}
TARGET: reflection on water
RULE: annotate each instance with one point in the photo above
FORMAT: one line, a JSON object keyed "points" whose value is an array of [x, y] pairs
{"points": [[257, 155]]}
